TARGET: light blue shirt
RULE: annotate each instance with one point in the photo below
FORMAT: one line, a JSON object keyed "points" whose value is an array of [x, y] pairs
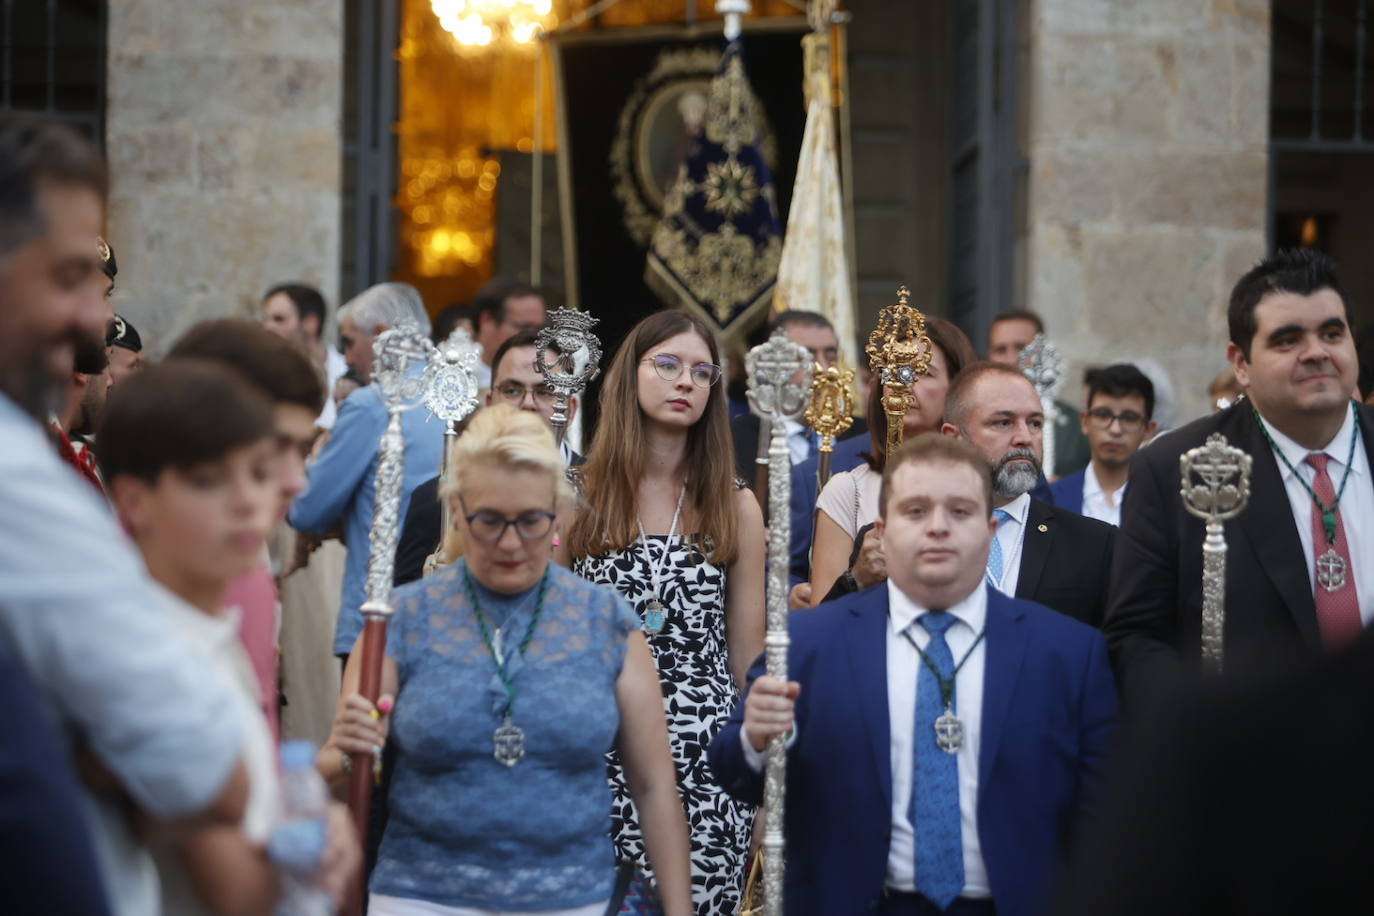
{"points": [[78, 610], [342, 486]]}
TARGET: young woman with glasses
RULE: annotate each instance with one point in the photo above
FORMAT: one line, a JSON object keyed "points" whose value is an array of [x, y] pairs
{"points": [[666, 524], [512, 678]]}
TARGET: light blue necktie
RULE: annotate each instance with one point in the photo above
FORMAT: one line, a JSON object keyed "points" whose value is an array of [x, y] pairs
{"points": [[995, 559], [935, 781]]}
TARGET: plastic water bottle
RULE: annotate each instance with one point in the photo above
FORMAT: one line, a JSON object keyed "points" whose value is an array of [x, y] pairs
{"points": [[298, 842]]}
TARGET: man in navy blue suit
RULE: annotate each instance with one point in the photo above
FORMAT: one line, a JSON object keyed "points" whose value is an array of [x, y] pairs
{"points": [[945, 738], [1118, 421]]}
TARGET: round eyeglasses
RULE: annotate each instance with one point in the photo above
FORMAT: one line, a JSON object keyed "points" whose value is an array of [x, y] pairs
{"points": [[669, 368], [489, 527]]}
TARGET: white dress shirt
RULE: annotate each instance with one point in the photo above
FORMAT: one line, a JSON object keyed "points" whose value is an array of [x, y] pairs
{"points": [[1010, 534], [334, 368], [1356, 505], [799, 440], [1097, 502], [903, 666]]}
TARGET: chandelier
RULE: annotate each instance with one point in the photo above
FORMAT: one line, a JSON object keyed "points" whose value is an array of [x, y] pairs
{"points": [[482, 23]]}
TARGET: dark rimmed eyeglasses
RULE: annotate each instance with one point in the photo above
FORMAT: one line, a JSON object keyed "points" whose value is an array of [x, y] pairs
{"points": [[1103, 417], [489, 527], [513, 392], [669, 368]]}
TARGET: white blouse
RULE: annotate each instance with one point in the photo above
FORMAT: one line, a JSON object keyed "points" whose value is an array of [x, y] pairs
{"points": [[850, 498]]}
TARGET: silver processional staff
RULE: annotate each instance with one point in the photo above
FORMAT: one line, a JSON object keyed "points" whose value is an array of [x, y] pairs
{"points": [[1215, 486], [779, 389], [400, 375], [578, 360]]}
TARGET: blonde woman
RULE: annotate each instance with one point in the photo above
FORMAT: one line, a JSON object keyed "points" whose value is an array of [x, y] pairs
{"points": [[512, 679], [665, 523]]}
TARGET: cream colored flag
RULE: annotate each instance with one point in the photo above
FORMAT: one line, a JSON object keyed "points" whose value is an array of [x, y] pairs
{"points": [[813, 275]]}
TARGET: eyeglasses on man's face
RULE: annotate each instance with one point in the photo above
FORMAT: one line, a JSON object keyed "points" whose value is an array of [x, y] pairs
{"points": [[489, 526], [1103, 417], [669, 368], [513, 392]]}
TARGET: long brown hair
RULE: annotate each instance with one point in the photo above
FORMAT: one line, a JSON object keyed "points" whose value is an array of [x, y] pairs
{"points": [[958, 352], [610, 478]]}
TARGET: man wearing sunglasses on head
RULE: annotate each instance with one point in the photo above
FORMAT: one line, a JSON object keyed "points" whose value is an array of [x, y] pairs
{"points": [[516, 382], [1118, 421]]}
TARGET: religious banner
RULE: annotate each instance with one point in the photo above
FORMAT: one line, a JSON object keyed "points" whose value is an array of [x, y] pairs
{"points": [[814, 273], [630, 101], [716, 250]]}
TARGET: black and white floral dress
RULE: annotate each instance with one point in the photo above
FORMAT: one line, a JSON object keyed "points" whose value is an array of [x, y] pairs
{"points": [[699, 694]]}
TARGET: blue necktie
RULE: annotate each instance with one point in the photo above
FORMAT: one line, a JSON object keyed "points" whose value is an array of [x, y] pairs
{"points": [[935, 782], [995, 558]]}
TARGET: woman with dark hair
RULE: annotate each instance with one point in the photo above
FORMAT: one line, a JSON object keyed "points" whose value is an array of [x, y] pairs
{"points": [[665, 523], [850, 500]]}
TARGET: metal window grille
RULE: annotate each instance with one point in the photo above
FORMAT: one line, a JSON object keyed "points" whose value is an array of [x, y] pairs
{"points": [[52, 60], [1319, 98]]}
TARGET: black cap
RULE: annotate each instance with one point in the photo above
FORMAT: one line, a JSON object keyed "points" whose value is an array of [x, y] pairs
{"points": [[108, 264], [123, 334]]}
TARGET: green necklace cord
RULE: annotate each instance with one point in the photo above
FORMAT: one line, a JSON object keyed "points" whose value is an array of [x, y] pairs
{"points": [[946, 686], [506, 681], [1328, 512]]}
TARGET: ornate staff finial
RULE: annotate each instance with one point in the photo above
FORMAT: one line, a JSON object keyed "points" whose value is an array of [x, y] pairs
{"points": [[831, 410], [1215, 487], [772, 368], [1040, 362], [451, 395], [396, 354], [899, 354], [569, 334], [452, 391], [778, 389]]}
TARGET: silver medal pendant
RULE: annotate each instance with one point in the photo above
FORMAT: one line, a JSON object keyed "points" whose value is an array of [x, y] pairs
{"points": [[949, 732], [655, 615], [1331, 572], [508, 742]]}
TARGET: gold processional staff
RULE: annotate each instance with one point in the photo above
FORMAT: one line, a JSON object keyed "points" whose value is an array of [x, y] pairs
{"points": [[899, 355]]}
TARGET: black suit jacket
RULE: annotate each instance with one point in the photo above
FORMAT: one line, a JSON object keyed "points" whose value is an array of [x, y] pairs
{"points": [[1064, 562], [745, 429], [1241, 795], [1154, 621], [420, 530]]}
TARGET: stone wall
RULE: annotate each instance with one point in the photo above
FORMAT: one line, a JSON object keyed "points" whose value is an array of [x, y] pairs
{"points": [[224, 147], [1147, 135]]}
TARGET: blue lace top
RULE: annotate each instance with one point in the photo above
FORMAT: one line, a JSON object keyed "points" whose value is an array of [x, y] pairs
{"points": [[464, 829]]}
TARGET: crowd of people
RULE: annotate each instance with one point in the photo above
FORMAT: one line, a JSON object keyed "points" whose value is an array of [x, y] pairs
{"points": [[995, 703]]}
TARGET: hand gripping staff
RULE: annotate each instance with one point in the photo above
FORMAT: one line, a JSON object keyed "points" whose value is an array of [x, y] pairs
{"points": [[400, 375], [778, 387]]}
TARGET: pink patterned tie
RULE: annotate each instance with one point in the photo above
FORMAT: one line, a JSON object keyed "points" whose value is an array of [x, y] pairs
{"points": [[1338, 609]]}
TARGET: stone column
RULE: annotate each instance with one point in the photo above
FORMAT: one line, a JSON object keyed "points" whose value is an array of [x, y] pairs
{"points": [[1147, 134], [224, 147]]}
